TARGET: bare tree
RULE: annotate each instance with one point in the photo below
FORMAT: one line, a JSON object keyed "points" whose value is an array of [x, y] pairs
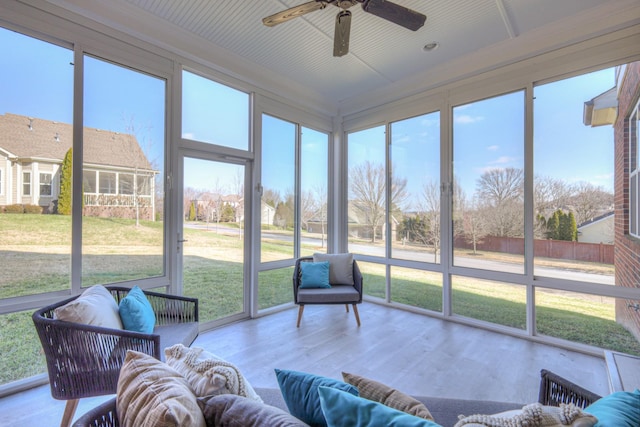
{"points": [[368, 190], [473, 224], [550, 194], [308, 208], [428, 229], [589, 201], [501, 193], [321, 196]]}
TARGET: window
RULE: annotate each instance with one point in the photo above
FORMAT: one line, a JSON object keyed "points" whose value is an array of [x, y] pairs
{"points": [[125, 184], [415, 188], [367, 191], [488, 183], [26, 103], [207, 109], [634, 170], [107, 182], [89, 181], [573, 180], [45, 184], [143, 185], [26, 183], [278, 196], [123, 110]]}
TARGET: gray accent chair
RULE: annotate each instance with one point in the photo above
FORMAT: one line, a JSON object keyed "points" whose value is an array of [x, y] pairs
{"points": [[337, 294]]}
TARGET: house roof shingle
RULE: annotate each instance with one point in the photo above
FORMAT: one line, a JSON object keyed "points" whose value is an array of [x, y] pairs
{"points": [[26, 137]]}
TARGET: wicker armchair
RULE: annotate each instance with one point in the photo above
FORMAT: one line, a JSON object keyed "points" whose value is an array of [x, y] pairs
{"points": [[337, 294], [85, 360], [555, 390]]}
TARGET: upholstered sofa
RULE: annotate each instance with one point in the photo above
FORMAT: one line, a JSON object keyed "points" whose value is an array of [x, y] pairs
{"points": [[195, 365], [445, 411]]}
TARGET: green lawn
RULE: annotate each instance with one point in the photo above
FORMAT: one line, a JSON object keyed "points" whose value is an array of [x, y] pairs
{"points": [[117, 249]]}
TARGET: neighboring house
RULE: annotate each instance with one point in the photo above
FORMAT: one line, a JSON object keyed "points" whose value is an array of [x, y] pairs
{"points": [[209, 205], [117, 177], [267, 213], [626, 124], [597, 230]]}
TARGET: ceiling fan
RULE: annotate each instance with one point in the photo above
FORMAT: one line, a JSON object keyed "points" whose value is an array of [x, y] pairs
{"points": [[395, 13]]}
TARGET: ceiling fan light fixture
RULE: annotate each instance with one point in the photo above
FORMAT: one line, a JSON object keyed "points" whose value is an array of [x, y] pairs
{"points": [[430, 46]]}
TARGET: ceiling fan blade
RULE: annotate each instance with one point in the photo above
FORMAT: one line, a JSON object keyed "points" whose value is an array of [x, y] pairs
{"points": [[294, 12], [395, 13], [343, 30]]}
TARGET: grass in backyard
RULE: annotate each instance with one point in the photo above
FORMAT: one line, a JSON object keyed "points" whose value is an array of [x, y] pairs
{"points": [[213, 272]]}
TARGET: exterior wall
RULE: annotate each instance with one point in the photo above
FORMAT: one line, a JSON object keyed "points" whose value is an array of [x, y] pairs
{"points": [[627, 256], [597, 232]]}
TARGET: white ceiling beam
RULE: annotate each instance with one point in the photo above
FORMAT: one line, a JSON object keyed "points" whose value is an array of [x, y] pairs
{"points": [[505, 18]]}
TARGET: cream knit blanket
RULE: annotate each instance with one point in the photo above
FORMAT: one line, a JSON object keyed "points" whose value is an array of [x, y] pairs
{"points": [[534, 415]]}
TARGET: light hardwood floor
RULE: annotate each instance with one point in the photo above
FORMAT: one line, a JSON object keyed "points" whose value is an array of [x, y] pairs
{"points": [[414, 353]]}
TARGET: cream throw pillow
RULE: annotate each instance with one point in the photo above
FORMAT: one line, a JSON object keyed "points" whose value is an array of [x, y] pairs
{"points": [[378, 392], [207, 373], [152, 394], [95, 306], [534, 415]]}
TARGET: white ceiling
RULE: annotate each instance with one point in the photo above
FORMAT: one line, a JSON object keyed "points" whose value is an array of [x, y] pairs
{"points": [[386, 61]]}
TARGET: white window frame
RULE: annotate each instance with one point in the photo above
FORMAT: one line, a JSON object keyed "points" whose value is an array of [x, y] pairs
{"points": [[27, 182], [40, 184], [1, 182], [634, 171]]}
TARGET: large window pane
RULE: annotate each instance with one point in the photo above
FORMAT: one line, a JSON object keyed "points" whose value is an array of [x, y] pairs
{"points": [[278, 188], [213, 254], [366, 209], [417, 288], [501, 303], [583, 318], [314, 173], [35, 249], [208, 110], [573, 186], [488, 184], [124, 137], [374, 278], [415, 178], [274, 287]]}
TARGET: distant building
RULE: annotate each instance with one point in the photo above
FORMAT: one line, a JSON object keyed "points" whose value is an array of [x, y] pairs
{"points": [[117, 176], [597, 230]]}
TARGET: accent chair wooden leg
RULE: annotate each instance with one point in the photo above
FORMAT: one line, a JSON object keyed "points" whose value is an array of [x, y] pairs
{"points": [[355, 311], [300, 310], [69, 411], [347, 307]]}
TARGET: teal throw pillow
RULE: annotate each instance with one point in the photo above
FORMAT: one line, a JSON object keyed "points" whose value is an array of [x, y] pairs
{"points": [[342, 409], [300, 393], [619, 409], [314, 275], [136, 312]]}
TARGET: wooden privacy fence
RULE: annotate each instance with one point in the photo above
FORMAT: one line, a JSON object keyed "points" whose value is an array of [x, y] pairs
{"points": [[559, 249]]}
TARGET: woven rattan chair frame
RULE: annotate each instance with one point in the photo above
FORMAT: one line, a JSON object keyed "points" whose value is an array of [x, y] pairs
{"points": [[555, 390], [85, 360], [357, 284]]}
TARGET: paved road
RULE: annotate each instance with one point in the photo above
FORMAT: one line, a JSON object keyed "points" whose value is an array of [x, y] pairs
{"points": [[462, 261]]}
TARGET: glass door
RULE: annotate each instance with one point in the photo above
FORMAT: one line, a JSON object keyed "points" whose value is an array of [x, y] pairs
{"points": [[212, 242]]}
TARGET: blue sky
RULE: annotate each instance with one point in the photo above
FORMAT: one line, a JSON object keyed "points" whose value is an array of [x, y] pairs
{"points": [[36, 81]]}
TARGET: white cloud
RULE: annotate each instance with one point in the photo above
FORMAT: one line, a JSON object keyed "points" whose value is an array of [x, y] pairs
{"points": [[465, 119], [493, 147], [188, 135], [502, 160]]}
